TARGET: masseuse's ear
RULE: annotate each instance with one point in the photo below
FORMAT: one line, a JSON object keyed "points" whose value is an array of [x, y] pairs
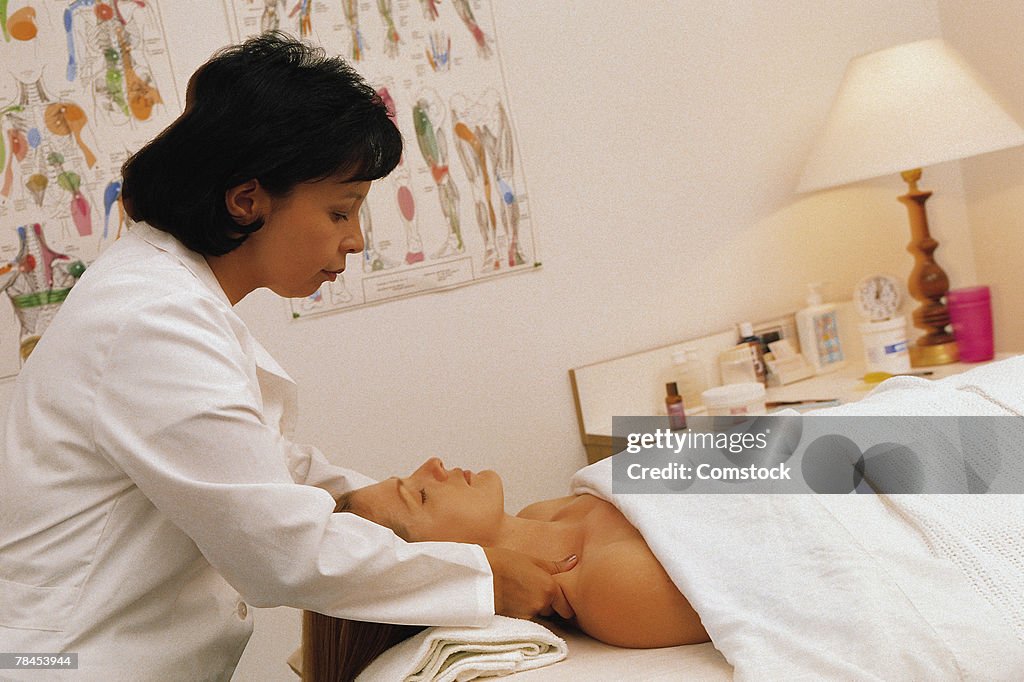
{"points": [[246, 202]]}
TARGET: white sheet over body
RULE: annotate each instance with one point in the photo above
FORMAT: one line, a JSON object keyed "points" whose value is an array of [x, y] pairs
{"points": [[853, 587]]}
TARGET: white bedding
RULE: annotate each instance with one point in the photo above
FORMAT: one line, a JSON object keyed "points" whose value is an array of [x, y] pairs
{"points": [[853, 587], [456, 654]]}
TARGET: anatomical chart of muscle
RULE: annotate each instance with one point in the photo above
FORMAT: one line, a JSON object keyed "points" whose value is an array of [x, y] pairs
{"points": [[83, 84], [455, 211]]}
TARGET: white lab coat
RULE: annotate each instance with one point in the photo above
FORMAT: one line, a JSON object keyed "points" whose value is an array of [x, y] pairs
{"points": [[149, 489]]}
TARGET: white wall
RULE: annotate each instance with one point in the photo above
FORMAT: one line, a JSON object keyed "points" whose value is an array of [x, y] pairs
{"points": [[660, 148], [661, 143], [989, 35]]}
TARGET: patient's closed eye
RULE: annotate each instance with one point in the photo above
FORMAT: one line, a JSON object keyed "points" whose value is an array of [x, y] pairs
{"points": [[423, 496]]}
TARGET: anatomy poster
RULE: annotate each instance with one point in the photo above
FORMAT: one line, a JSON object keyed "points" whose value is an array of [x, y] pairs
{"points": [[455, 211], [84, 83]]}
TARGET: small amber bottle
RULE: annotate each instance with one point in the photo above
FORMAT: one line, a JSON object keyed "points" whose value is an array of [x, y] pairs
{"points": [[674, 406]]}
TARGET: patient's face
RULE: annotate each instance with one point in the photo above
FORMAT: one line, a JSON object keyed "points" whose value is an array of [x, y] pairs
{"points": [[437, 504]]}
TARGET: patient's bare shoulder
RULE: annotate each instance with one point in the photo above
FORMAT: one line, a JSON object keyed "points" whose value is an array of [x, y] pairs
{"points": [[620, 592], [624, 597]]}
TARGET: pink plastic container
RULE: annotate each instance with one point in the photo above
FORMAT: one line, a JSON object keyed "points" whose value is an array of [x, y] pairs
{"points": [[970, 310]]}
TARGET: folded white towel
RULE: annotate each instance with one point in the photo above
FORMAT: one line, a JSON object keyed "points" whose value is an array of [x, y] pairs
{"points": [[456, 654]]}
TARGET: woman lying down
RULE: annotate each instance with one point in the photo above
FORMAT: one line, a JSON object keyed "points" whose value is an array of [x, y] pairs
{"points": [[619, 592]]}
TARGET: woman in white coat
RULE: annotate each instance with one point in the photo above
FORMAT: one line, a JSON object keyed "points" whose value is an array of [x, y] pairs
{"points": [[150, 490]]}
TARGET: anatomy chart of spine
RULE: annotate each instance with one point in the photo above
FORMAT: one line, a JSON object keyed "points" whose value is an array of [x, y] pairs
{"points": [[455, 211], [84, 84], [37, 280]]}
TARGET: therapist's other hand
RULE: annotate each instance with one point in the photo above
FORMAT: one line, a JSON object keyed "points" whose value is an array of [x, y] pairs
{"points": [[523, 586]]}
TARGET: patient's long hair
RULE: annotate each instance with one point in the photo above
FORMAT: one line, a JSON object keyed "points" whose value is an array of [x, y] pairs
{"points": [[337, 650]]}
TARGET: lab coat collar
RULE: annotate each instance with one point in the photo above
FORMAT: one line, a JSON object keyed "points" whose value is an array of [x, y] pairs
{"points": [[195, 262], [197, 265]]}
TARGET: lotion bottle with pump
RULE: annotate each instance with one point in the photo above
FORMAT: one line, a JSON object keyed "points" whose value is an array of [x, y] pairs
{"points": [[817, 326]]}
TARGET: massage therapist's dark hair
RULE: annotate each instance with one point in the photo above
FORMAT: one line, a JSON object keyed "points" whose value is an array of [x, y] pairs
{"points": [[272, 109]]}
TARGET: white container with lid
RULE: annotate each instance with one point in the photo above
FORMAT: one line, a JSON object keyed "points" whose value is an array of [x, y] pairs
{"points": [[886, 347], [735, 399]]}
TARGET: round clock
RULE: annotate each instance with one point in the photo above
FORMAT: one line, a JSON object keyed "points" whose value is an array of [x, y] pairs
{"points": [[877, 297]]}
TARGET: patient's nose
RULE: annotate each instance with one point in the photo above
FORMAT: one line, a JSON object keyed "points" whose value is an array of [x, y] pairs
{"points": [[434, 468]]}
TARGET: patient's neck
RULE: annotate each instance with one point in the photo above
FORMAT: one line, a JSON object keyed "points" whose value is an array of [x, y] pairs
{"points": [[553, 540]]}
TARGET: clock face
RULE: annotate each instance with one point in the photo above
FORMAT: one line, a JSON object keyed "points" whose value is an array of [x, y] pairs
{"points": [[877, 297]]}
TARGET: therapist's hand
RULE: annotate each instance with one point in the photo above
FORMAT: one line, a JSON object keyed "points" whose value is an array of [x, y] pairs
{"points": [[523, 586]]}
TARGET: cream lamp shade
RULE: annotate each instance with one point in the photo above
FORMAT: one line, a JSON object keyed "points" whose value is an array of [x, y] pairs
{"points": [[903, 108], [898, 110]]}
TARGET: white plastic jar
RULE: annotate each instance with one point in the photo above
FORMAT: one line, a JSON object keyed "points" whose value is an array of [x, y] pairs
{"points": [[735, 399], [886, 346]]}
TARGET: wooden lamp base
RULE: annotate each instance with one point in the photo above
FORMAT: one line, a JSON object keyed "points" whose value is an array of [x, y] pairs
{"points": [[927, 356], [928, 284]]}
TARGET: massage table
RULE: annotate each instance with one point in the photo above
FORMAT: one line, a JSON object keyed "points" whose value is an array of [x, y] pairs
{"points": [[853, 587]]}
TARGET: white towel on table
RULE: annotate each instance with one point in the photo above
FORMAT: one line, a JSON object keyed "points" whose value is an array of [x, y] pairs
{"points": [[457, 654]]}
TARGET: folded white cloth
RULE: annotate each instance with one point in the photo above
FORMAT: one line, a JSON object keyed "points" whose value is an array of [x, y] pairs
{"points": [[456, 654]]}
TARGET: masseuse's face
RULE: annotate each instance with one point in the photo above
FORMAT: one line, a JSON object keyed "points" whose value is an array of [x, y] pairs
{"points": [[307, 235], [437, 504]]}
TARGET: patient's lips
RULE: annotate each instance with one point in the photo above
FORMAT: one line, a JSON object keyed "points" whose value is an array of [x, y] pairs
{"points": [[332, 275]]}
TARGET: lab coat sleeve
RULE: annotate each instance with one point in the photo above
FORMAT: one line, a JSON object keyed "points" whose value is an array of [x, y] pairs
{"points": [[178, 409], [308, 466]]}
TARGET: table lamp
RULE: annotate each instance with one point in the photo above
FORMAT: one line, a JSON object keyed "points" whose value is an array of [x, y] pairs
{"points": [[898, 110]]}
